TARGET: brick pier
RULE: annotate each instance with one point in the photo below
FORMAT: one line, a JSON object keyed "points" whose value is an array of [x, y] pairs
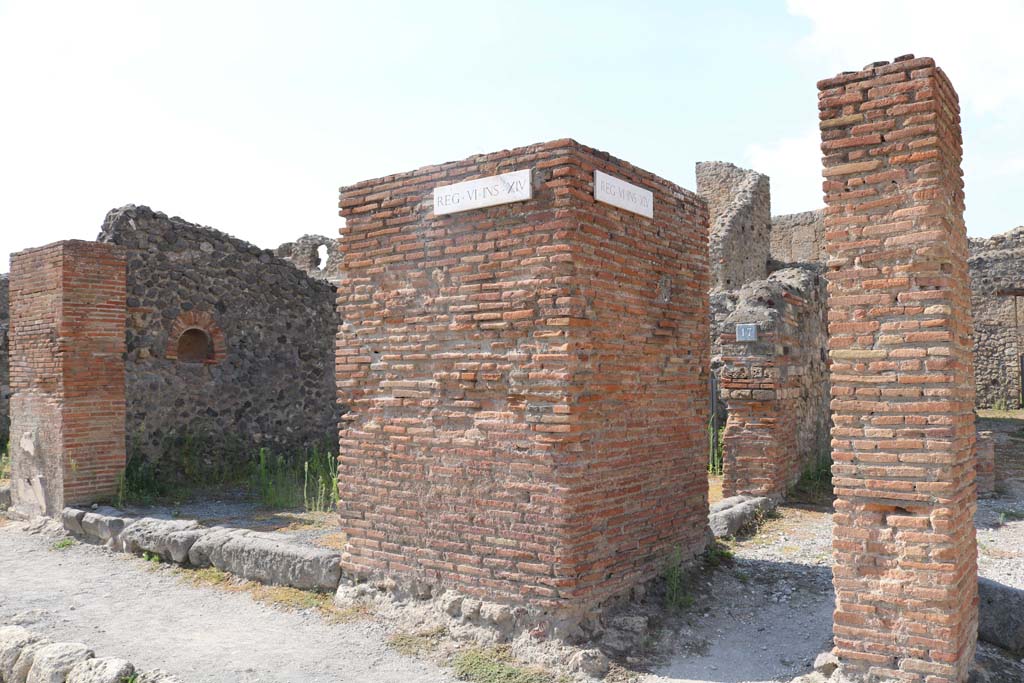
{"points": [[527, 381], [902, 381], [67, 341]]}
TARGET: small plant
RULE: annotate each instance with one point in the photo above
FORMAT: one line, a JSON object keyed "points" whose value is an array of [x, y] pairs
{"points": [[494, 665], [718, 554], [5, 462], [133, 678], [676, 596], [63, 544], [715, 448], [815, 483], [416, 644], [1010, 516], [152, 558]]}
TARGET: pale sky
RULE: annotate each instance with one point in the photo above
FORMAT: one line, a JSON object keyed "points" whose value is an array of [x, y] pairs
{"points": [[247, 116]]}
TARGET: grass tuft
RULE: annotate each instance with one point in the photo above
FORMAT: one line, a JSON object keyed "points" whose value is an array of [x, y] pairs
{"points": [[495, 665], [417, 644], [63, 544]]}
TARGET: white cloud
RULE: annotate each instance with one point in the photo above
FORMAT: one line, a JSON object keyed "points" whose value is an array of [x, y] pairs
{"points": [[794, 166], [977, 43]]}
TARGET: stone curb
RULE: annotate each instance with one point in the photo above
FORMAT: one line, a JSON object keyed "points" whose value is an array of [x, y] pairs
{"points": [[268, 558], [1001, 615], [28, 656], [732, 514]]}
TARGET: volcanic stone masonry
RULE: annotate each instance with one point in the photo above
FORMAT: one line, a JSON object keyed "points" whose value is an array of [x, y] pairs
{"points": [[229, 348], [5, 376], [776, 387], [67, 375], [527, 382], [997, 282], [774, 392], [905, 569]]}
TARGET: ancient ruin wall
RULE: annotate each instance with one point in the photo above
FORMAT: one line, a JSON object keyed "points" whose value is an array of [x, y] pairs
{"points": [[266, 378], [776, 387], [997, 265], [798, 239], [905, 569], [67, 375], [304, 254], [527, 381], [739, 202], [5, 376]]}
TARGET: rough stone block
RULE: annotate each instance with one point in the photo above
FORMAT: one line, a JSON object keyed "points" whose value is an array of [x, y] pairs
{"points": [[101, 670], [170, 539], [1001, 615], [53, 662]]}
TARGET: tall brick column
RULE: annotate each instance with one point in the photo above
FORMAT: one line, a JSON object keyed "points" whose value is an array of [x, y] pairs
{"points": [[67, 341], [902, 381]]}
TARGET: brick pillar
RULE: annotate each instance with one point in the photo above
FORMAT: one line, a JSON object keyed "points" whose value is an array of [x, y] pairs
{"points": [[526, 381], [905, 569], [67, 342]]}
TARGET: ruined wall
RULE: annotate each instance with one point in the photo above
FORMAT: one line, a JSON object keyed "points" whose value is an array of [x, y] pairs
{"points": [[264, 377], [304, 254], [5, 376], [905, 569], [739, 202], [67, 375], [777, 387], [798, 238], [997, 263], [527, 381]]}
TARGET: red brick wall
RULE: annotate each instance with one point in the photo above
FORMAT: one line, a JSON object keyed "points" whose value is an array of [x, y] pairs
{"points": [[67, 374], [902, 381], [526, 381]]}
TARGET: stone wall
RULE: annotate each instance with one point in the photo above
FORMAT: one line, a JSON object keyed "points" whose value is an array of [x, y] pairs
{"points": [[798, 239], [527, 381], [5, 375], [739, 202], [67, 375], [997, 265], [905, 557], [229, 348], [777, 387], [304, 254]]}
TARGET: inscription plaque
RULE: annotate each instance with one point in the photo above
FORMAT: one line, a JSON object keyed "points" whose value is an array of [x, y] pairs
{"points": [[483, 192], [611, 190], [746, 332]]}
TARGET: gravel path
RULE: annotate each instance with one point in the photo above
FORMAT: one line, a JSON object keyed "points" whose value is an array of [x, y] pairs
{"points": [[120, 606], [763, 617], [766, 617]]}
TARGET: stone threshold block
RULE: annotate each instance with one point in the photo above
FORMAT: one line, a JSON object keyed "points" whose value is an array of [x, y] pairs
{"points": [[525, 353]]}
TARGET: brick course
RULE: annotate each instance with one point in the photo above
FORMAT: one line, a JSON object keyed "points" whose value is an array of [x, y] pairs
{"points": [[527, 381], [905, 569], [67, 374]]}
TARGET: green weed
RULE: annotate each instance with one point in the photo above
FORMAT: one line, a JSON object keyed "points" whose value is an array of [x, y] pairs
{"points": [[494, 665], [63, 544], [5, 461], [676, 596], [715, 448], [718, 554]]}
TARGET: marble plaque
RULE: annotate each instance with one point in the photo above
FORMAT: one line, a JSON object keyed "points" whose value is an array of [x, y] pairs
{"points": [[482, 192], [611, 190], [746, 332]]}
